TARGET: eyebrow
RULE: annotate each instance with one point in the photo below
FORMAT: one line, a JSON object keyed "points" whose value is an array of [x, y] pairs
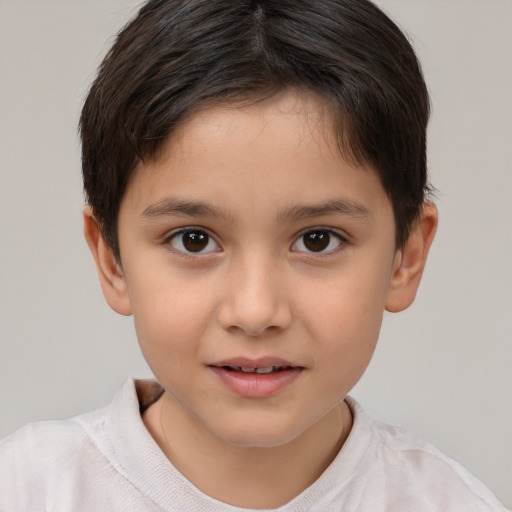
{"points": [[175, 207], [335, 206]]}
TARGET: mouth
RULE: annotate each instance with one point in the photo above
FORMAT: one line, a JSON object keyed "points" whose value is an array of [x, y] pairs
{"points": [[259, 370], [256, 378]]}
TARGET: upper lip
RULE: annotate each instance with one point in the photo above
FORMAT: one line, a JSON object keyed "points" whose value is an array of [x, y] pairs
{"points": [[247, 362]]}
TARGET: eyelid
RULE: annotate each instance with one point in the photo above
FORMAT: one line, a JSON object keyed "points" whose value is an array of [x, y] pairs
{"points": [[167, 239], [340, 235]]}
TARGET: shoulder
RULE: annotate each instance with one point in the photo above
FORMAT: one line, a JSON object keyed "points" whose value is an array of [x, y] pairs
{"points": [[41, 456], [35, 441], [83, 463], [416, 474]]}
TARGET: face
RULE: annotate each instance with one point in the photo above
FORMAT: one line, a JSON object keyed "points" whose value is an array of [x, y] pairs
{"points": [[257, 263]]}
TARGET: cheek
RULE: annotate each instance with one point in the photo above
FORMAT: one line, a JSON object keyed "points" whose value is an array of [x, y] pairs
{"points": [[346, 345], [349, 304], [345, 320], [170, 318], [168, 339]]}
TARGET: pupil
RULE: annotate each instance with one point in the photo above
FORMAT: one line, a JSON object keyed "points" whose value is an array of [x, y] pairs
{"points": [[317, 240], [195, 241]]}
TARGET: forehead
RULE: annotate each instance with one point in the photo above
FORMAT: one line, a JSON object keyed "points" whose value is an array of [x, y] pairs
{"points": [[302, 119], [282, 150]]}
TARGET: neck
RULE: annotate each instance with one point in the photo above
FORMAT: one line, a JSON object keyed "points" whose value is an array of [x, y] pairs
{"points": [[251, 477]]}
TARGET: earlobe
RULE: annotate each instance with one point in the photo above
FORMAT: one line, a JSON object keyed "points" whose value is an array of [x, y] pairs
{"points": [[410, 261], [110, 272]]}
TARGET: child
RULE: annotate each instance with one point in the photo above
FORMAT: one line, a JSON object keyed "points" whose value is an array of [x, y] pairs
{"points": [[256, 180]]}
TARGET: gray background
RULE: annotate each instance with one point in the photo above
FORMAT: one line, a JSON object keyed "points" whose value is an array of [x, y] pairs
{"points": [[442, 369]]}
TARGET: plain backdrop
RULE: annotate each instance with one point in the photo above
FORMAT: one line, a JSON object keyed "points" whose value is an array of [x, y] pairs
{"points": [[443, 368]]}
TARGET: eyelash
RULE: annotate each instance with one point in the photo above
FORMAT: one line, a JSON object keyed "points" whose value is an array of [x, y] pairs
{"points": [[331, 233], [201, 233], [191, 229]]}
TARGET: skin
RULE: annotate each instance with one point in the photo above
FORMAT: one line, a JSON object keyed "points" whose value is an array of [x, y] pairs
{"points": [[269, 174]]}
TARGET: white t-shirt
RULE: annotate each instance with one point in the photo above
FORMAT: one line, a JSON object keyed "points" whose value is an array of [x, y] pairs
{"points": [[107, 461]]}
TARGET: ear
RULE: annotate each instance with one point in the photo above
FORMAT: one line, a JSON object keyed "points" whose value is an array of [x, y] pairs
{"points": [[110, 272], [410, 261]]}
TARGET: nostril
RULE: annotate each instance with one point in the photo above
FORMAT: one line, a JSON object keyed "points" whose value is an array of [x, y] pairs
{"points": [[254, 316]]}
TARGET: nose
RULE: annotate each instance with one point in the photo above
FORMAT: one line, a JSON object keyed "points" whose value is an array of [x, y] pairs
{"points": [[255, 300]]}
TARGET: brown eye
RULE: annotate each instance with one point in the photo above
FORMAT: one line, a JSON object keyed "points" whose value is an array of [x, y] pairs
{"points": [[319, 241], [193, 241]]}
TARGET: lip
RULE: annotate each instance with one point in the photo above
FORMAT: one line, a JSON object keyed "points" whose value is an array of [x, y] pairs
{"points": [[255, 385], [259, 362]]}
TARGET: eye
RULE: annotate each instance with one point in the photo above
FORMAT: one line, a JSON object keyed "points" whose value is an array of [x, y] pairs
{"points": [[194, 241], [318, 241]]}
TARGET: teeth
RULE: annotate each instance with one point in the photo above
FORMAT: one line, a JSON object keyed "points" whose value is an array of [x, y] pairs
{"points": [[268, 369], [265, 370]]}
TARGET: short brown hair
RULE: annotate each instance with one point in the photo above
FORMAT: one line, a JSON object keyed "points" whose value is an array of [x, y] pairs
{"points": [[177, 56]]}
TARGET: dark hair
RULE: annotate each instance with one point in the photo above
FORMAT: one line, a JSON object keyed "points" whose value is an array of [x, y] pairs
{"points": [[178, 56]]}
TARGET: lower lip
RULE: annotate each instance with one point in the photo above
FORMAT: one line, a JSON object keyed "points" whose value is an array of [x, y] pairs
{"points": [[256, 385]]}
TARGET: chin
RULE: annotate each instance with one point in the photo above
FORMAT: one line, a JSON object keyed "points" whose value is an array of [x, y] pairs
{"points": [[257, 434]]}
